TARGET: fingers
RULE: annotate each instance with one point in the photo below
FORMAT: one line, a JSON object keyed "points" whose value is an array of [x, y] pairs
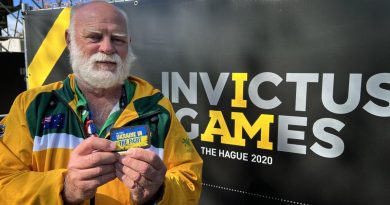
{"points": [[139, 195], [142, 171], [99, 180], [136, 169], [132, 175], [82, 184], [134, 186], [95, 176], [95, 144], [94, 159], [95, 172], [90, 183], [91, 165], [139, 164], [146, 156], [125, 179], [91, 152]]}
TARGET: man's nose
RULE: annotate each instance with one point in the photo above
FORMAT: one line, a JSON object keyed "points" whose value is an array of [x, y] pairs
{"points": [[106, 46]]}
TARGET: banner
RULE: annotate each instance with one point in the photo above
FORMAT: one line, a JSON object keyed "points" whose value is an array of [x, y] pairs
{"points": [[287, 101], [12, 80]]}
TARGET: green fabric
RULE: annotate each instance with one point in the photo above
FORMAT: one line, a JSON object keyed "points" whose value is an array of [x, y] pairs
{"points": [[110, 121], [129, 90], [148, 106], [49, 104], [83, 111], [82, 105], [46, 105]]}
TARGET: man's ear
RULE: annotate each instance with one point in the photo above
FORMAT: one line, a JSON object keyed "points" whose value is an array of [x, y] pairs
{"points": [[67, 37]]}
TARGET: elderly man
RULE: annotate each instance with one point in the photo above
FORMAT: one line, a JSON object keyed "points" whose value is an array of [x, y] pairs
{"points": [[56, 146]]}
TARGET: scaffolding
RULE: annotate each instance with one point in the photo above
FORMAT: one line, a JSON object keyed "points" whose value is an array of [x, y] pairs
{"points": [[11, 19], [7, 37]]}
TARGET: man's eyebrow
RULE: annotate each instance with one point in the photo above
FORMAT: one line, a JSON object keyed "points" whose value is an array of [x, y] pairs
{"points": [[90, 31], [120, 35]]}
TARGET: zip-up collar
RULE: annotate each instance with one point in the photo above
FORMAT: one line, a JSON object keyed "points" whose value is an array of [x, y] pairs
{"points": [[134, 95]]}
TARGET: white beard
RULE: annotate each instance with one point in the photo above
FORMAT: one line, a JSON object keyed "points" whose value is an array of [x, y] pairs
{"points": [[86, 70]]}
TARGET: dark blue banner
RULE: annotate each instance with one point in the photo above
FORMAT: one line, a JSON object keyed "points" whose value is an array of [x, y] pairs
{"points": [[287, 101]]}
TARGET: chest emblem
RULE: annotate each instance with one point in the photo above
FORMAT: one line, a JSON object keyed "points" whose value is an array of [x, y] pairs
{"points": [[53, 121]]}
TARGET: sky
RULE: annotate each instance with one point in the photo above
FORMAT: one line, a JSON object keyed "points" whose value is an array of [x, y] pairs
{"points": [[12, 20]]}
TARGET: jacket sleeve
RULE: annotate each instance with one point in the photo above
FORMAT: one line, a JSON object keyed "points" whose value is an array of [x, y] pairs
{"points": [[19, 183], [183, 180]]}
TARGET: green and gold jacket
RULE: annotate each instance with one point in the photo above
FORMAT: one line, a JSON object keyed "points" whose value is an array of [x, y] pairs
{"points": [[43, 127]]}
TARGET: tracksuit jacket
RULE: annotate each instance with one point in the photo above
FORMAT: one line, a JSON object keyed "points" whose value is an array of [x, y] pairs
{"points": [[43, 127]]}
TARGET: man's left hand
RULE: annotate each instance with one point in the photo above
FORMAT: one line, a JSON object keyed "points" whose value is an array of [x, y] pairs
{"points": [[143, 172]]}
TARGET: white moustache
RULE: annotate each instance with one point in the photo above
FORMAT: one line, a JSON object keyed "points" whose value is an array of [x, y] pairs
{"points": [[101, 57]]}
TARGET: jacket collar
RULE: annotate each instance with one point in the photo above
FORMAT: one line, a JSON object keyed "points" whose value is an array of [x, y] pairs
{"points": [[142, 98]]}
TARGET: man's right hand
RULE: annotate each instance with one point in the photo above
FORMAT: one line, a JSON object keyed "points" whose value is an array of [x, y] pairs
{"points": [[91, 165]]}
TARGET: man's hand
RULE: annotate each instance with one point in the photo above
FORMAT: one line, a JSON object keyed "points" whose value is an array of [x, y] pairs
{"points": [[91, 165], [143, 172]]}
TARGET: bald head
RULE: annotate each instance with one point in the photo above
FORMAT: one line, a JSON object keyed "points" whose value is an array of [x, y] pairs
{"points": [[92, 9]]}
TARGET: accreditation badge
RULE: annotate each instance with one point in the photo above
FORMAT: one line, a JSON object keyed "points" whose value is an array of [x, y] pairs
{"points": [[131, 137]]}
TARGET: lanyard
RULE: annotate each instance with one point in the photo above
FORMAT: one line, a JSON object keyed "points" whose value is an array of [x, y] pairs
{"points": [[90, 127]]}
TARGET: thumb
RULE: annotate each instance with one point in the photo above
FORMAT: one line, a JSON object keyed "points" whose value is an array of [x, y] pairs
{"points": [[92, 144]]}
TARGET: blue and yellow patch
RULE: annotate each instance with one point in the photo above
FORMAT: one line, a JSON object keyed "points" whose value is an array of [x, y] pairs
{"points": [[131, 137]]}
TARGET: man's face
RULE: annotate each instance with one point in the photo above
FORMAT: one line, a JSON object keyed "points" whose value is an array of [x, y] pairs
{"points": [[99, 46]]}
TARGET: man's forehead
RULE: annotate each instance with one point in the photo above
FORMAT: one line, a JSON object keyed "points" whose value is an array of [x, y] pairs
{"points": [[101, 23], [103, 18], [99, 13]]}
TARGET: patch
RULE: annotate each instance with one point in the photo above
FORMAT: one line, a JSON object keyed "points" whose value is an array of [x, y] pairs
{"points": [[187, 144], [53, 121], [131, 137]]}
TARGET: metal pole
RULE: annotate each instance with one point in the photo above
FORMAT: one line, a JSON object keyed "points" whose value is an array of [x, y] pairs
{"points": [[6, 50], [16, 24], [36, 4], [9, 11], [25, 46], [5, 31]]}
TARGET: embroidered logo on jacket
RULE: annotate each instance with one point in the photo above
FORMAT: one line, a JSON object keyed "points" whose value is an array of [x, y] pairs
{"points": [[187, 144], [53, 121]]}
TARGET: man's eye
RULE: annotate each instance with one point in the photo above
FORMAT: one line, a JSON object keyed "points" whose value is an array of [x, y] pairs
{"points": [[118, 40], [94, 38]]}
